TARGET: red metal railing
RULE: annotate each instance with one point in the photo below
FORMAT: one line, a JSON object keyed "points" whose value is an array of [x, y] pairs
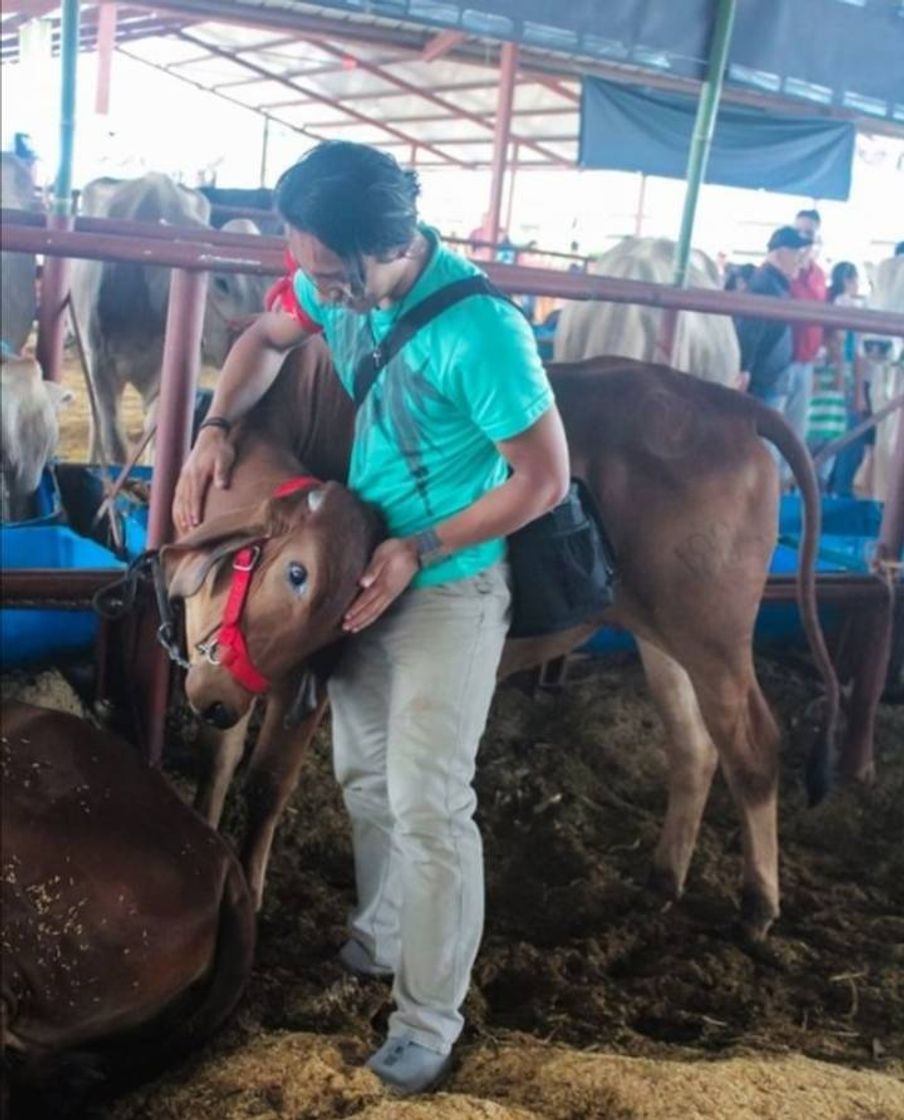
{"points": [[193, 252]]}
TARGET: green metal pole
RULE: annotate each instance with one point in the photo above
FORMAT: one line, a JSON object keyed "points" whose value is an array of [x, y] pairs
{"points": [[704, 125], [55, 278], [69, 37]]}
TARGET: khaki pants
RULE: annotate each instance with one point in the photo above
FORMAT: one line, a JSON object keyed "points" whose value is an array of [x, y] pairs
{"points": [[410, 703]]}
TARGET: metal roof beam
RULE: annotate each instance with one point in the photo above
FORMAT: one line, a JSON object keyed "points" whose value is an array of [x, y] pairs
{"points": [[302, 130], [427, 95], [559, 88], [428, 118], [29, 9], [306, 91], [385, 94], [441, 44], [327, 68]]}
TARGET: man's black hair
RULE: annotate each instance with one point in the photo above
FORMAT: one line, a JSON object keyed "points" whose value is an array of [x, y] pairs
{"points": [[810, 215], [899, 249], [353, 198]]}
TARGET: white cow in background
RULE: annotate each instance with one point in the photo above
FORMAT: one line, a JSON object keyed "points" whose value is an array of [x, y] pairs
{"points": [[121, 307], [29, 432], [887, 374], [17, 270], [704, 345]]}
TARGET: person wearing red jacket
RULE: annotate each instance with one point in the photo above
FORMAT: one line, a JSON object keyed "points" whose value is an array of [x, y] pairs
{"points": [[809, 284]]}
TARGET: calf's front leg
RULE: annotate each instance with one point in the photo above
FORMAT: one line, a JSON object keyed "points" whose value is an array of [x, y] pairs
{"points": [[224, 751], [271, 779]]}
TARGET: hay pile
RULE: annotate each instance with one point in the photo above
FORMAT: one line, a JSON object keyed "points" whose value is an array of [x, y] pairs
{"points": [[309, 1077]]}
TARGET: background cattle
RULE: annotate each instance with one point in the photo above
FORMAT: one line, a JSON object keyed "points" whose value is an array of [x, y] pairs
{"points": [[17, 270], [887, 373], [121, 307], [127, 924], [254, 198], [29, 430], [704, 345]]}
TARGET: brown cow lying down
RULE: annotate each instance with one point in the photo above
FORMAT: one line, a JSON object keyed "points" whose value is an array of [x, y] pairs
{"points": [[689, 493], [127, 925]]}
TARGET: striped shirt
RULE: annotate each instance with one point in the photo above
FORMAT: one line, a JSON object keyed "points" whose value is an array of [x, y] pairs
{"points": [[827, 418]]}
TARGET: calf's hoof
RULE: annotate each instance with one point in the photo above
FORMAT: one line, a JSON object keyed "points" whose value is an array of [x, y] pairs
{"points": [[662, 883], [757, 914]]}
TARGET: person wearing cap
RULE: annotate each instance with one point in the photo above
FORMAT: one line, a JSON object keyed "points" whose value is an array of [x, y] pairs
{"points": [[766, 344], [807, 338]]}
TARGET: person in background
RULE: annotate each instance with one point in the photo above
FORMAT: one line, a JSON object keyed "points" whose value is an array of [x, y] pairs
{"points": [[807, 339], [506, 252], [899, 249], [738, 277], [827, 419], [576, 266], [852, 373], [766, 345]]}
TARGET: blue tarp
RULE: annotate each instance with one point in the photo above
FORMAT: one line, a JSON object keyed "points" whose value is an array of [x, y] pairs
{"points": [[624, 128]]}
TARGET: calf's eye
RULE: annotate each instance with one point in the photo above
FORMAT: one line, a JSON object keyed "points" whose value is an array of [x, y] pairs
{"points": [[298, 576]]}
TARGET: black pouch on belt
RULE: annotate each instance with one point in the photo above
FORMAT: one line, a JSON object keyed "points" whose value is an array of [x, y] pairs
{"points": [[562, 567]]}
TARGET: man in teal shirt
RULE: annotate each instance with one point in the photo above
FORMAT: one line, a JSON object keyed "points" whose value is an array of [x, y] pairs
{"points": [[459, 444]]}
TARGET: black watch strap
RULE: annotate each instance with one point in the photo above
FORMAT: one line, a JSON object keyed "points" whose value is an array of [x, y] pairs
{"points": [[216, 422]]}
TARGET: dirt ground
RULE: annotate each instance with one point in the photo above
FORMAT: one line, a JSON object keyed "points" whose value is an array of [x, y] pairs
{"points": [[75, 418], [589, 1001]]}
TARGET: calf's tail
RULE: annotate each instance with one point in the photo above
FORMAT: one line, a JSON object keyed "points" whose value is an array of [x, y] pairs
{"points": [[773, 427]]}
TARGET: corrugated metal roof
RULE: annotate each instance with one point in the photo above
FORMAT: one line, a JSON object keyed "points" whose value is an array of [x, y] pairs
{"points": [[361, 74]]}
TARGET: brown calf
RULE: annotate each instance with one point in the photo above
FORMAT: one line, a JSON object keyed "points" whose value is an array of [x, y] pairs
{"points": [[128, 926], [689, 493]]}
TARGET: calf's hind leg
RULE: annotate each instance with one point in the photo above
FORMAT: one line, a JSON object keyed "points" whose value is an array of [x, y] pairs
{"points": [[746, 738], [692, 761]]}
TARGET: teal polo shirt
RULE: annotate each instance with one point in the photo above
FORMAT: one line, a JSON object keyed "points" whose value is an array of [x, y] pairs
{"points": [[424, 445]]}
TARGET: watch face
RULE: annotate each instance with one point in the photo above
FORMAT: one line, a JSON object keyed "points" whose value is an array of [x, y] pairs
{"points": [[427, 545]]}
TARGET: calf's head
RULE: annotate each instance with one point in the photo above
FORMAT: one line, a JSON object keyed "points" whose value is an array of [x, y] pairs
{"points": [[297, 559]]}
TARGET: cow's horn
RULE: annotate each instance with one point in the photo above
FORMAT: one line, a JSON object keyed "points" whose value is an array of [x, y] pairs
{"points": [[315, 499]]}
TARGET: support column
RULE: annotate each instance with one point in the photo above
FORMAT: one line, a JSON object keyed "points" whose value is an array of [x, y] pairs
{"points": [[106, 41], [872, 634], [179, 376], [265, 151], [704, 125], [55, 278], [510, 208], [641, 206], [507, 72]]}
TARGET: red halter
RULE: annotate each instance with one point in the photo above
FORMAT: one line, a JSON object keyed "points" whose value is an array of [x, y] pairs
{"points": [[228, 640]]}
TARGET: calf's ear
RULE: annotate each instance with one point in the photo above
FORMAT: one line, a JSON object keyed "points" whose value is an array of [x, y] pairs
{"points": [[188, 561]]}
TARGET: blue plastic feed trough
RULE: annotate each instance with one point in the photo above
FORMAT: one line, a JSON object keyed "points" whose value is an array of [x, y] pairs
{"points": [[29, 636], [849, 530], [82, 486]]}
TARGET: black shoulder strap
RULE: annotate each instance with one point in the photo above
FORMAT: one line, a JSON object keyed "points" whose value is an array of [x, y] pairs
{"points": [[407, 326]]}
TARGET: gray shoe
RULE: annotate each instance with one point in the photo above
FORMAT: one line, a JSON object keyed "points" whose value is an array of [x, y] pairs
{"points": [[406, 1067], [355, 959]]}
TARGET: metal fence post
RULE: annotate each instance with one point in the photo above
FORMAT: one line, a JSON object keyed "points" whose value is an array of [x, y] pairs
{"points": [[179, 376], [872, 632]]}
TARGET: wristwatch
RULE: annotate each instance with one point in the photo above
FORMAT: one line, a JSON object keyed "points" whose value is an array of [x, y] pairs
{"points": [[216, 422], [428, 547]]}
